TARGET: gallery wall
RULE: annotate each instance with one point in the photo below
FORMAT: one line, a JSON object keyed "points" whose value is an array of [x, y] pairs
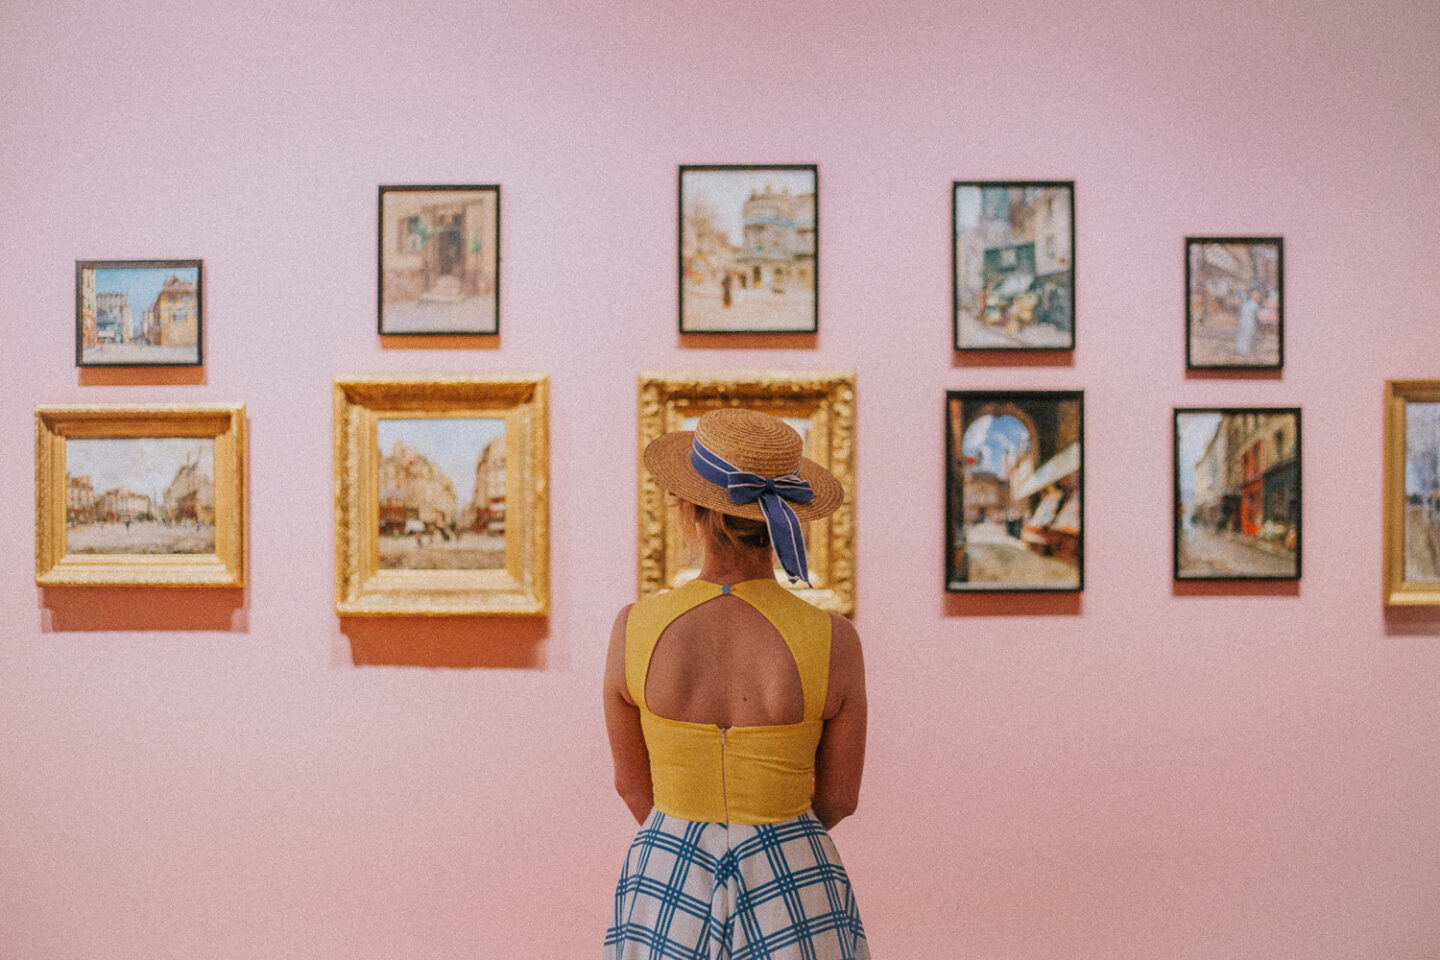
{"points": [[1142, 770]]}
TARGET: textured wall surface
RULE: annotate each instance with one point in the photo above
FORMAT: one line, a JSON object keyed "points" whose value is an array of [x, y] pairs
{"points": [[1144, 771]]}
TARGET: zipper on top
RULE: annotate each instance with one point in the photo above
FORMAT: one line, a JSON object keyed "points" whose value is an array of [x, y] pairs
{"points": [[724, 786]]}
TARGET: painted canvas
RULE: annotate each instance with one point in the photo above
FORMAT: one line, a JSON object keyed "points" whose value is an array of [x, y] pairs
{"points": [[1235, 315], [439, 260], [442, 493], [1422, 492], [137, 313], [1014, 262], [748, 249], [140, 495], [1237, 494], [1015, 497]]}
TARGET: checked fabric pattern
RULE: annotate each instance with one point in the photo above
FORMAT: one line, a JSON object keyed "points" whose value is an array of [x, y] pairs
{"points": [[715, 891]]}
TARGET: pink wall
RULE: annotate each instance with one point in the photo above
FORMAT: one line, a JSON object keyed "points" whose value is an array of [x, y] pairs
{"points": [[1145, 772]]}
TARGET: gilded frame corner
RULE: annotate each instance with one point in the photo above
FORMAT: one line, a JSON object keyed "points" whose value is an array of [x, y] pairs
{"points": [[826, 400], [56, 566], [1398, 590], [522, 586]]}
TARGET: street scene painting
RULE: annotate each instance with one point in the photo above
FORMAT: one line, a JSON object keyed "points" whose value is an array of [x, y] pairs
{"points": [[137, 313], [139, 495], [748, 249], [1234, 308], [439, 260], [1422, 492], [1014, 259], [441, 493], [1014, 491], [1237, 494]]}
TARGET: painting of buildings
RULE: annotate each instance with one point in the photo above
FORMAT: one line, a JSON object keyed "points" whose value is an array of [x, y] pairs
{"points": [[1014, 266], [1422, 492], [748, 249], [1234, 310], [425, 467], [138, 313], [439, 260], [141, 495], [1237, 486], [1015, 493]]}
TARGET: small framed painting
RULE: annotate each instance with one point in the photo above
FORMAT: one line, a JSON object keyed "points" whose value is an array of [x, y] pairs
{"points": [[1013, 264], [441, 493], [138, 313], [749, 249], [439, 271], [1234, 303], [140, 495], [1237, 493], [1015, 490], [821, 408], [1412, 492]]}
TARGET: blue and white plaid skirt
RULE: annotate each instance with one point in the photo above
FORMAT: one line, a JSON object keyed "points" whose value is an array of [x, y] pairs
{"points": [[716, 891]]}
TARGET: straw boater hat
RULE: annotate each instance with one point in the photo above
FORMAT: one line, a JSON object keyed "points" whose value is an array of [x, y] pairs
{"points": [[751, 441]]}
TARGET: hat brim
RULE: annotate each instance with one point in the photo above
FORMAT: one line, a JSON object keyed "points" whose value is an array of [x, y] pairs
{"points": [[668, 460]]}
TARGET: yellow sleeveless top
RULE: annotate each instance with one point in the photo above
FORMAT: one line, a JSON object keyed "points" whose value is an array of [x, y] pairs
{"points": [[740, 774]]}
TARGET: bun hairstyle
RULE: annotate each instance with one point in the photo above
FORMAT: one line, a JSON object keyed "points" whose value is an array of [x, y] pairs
{"points": [[723, 528]]}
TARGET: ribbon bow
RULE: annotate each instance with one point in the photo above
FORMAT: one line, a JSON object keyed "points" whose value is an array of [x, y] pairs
{"points": [[772, 494]]}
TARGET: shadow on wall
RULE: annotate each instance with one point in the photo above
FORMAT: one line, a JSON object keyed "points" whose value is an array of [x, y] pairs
{"points": [[460, 643], [1001, 604], [80, 609], [1412, 621]]}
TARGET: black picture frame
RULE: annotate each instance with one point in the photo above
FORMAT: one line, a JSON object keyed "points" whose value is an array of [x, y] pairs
{"points": [[1034, 531], [438, 266], [1038, 315], [1252, 512], [729, 287], [113, 337], [1209, 288]]}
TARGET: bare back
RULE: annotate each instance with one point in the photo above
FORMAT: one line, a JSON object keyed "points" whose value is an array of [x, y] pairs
{"points": [[724, 663]]}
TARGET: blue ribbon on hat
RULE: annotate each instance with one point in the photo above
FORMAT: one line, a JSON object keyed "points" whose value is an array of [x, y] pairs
{"points": [[772, 494]]}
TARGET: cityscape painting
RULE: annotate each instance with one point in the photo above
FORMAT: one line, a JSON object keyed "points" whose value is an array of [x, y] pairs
{"points": [[748, 249], [1237, 494], [1412, 492], [1015, 490], [1234, 306], [138, 313], [1014, 265], [442, 493], [140, 495], [439, 270]]}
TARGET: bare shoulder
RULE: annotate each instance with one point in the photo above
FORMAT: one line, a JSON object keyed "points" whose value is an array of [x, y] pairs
{"points": [[847, 665], [615, 656]]}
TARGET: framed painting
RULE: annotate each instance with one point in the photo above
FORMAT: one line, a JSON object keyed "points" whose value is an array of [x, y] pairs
{"points": [[1015, 490], [439, 252], [140, 495], [749, 249], [821, 408], [1237, 493], [138, 313], [1234, 303], [442, 495], [1013, 264], [1412, 492]]}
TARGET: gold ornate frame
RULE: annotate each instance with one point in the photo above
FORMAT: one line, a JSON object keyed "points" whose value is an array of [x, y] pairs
{"points": [[1398, 590], [225, 423], [825, 399], [523, 585]]}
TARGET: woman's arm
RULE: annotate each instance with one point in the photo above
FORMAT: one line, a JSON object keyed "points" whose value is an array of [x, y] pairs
{"points": [[622, 722], [840, 758]]}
